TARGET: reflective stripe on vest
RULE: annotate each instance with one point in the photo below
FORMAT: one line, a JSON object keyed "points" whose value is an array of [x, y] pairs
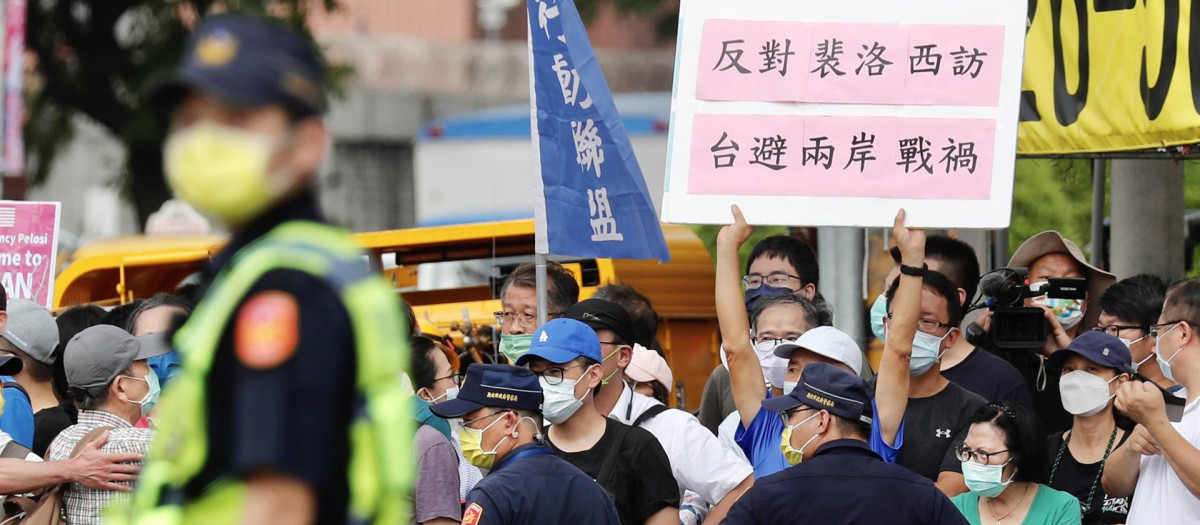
{"points": [[381, 463]]}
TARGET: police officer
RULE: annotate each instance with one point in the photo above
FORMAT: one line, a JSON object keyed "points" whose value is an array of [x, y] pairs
{"points": [[288, 408], [836, 479], [500, 406]]}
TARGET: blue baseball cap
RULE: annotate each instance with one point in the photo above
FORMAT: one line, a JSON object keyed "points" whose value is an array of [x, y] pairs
{"points": [[561, 341], [827, 387], [246, 60], [1098, 347], [495, 386]]}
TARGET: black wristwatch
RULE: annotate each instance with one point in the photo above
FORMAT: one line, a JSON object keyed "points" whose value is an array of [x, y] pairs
{"points": [[914, 271]]}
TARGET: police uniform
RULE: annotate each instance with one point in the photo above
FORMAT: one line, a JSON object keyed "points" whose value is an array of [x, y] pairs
{"points": [[843, 481], [529, 485], [292, 359]]}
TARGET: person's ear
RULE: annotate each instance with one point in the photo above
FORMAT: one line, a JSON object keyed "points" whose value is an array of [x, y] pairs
{"points": [[624, 357], [3, 320], [824, 421], [117, 389], [952, 337], [593, 376], [423, 393], [808, 291], [962, 296]]}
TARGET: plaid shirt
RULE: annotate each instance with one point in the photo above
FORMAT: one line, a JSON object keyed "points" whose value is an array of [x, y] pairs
{"points": [[84, 506]]}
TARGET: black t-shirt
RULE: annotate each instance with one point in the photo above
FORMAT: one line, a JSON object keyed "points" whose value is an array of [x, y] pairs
{"points": [[642, 483], [1047, 402], [933, 427], [47, 424], [1077, 479], [991, 377]]}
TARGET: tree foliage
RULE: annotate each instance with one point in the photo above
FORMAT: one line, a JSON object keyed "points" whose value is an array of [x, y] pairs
{"points": [[97, 58]]}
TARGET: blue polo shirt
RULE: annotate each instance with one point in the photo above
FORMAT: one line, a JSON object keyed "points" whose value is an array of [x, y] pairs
{"points": [[533, 486], [761, 440], [844, 483], [17, 417]]}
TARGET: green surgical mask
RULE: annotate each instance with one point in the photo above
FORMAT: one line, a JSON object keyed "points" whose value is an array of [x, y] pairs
{"points": [[515, 346]]}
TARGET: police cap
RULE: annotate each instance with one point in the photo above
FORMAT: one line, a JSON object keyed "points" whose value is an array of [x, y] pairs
{"points": [[826, 387], [494, 386]]}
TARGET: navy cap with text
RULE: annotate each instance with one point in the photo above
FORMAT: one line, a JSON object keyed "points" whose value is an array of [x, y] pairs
{"points": [[1098, 347], [827, 387], [246, 60], [493, 386]]}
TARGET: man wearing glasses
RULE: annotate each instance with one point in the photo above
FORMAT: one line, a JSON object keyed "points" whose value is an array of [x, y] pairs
{"points": [[1127, 309], [627, 461], [1160, 459], [500, 406], [518, 297], [836, 478]]}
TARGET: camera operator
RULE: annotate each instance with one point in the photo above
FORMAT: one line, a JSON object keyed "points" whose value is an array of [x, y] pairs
{"points": [[1049, 255]]}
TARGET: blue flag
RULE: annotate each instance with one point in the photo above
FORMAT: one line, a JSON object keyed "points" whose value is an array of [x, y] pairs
{"points": [[591, 196]]}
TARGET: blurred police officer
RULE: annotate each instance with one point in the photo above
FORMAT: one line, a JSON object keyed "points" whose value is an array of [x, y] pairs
{"points": [[836, 478], [501, 409], [288, 406]]}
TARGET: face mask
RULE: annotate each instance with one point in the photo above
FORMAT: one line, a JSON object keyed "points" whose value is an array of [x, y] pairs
{"points": [[1139, 364], [449, 394], [762, 292], [1130, 342], [788, 386], [774, 368], [1084, 394], [1165, 364], [926, 351], [985, 480], [615, 370], [1068, 311], [470, 442], [793, 456], [151, 398], [515, 346], [878, 314], [558, 401], [222, 171]]}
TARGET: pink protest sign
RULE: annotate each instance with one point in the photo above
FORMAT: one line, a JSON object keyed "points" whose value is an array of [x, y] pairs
{"points": [[823, 156], [28, 249], [820, 62]]}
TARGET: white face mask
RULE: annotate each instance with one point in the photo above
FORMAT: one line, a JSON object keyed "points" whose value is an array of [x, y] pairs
{"points": [[558, 401], [788, 386], [449, 394], [1084, 394], [774, 367], [1164, 363]]}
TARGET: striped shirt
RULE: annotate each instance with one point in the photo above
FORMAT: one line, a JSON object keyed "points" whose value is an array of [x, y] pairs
{"points": [[84, 506]]}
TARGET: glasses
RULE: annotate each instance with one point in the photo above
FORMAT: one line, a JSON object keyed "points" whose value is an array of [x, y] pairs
{"points": [[787, 414], [929, 326], [455, 376], [1156, 329], [554, 376], [978, 456], [765, 339], [777, 279], [1115, 329], [524, 319], [469, 423]]}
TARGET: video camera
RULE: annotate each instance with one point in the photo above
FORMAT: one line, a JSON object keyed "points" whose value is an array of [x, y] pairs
{"points": [[1014, 325]]}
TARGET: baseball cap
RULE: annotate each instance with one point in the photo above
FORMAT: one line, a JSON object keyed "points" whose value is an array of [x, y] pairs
{"points": [[32, 330], [826, 387], [497, 386], [1098, 347], [1049, 242], [646, 366], [10, 365], [248, 61], [562, 340], [826, 341], [600, 314], [97, 355]]}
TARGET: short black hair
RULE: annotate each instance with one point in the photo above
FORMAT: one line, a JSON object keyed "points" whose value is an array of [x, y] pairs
{"points": [[645, 319], [1023, 436], [959, 262], [410, 318], [119, 316], [1138, 299], [160, 299], [424, 370], [795, 251], [816, 312], [76, 319], [1183, 302], [941, 286], [853, 428], [561, 289]]}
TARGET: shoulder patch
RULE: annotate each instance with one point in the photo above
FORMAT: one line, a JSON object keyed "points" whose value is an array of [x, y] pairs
{"points": [[472, 514], [267, 330]]}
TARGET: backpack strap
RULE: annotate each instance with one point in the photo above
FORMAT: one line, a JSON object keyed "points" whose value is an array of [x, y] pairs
{"points": [[649, 414], [14, 384], [88, 438], [608, 471]]}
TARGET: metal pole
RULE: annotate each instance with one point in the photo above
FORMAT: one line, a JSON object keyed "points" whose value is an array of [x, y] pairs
{"points": [[1097, 255], [539, 272]]}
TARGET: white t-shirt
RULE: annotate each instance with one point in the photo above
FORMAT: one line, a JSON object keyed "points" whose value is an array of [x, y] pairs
{"points": [[727, 432], [698, 461], [1160, 496]]}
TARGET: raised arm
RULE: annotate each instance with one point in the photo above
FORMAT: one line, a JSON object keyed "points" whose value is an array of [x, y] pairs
{"points": [[745, 375], [891, 389]]}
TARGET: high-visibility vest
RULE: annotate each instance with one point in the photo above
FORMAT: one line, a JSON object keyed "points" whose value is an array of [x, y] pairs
{"points": [[381, 463]]}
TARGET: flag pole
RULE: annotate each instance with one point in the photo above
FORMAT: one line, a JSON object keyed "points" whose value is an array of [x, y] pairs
{"points": [[539, 272]]}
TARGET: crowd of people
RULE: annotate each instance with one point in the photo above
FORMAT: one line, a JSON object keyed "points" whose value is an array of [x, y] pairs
{"points": [[795, 425]]}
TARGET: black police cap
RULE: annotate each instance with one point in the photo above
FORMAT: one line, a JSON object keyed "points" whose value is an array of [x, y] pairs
{"points": [[494, 386]]}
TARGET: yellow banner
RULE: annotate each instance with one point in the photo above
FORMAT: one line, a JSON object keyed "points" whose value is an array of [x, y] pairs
{"points": [[1110, 75]]}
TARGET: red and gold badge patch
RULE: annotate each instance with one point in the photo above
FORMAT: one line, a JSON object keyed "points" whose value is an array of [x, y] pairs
{"points": [[471, 516], [267, 330]]}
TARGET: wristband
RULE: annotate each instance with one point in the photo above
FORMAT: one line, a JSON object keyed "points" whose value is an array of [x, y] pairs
{"points": [[914, 271]]}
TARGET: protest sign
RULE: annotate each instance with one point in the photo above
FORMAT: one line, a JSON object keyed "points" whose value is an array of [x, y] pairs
{"points": [[838, 113], [28, 250]]}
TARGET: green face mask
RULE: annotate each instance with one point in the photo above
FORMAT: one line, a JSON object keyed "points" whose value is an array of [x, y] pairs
{"points": [[515, 346]]}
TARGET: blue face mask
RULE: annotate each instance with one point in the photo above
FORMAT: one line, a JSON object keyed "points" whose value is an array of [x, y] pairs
{"points": [[926, 351], [878, 314], [762, 292]]}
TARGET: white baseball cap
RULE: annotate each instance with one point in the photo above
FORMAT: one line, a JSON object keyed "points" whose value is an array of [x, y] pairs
{"points": [[826, 341]]}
